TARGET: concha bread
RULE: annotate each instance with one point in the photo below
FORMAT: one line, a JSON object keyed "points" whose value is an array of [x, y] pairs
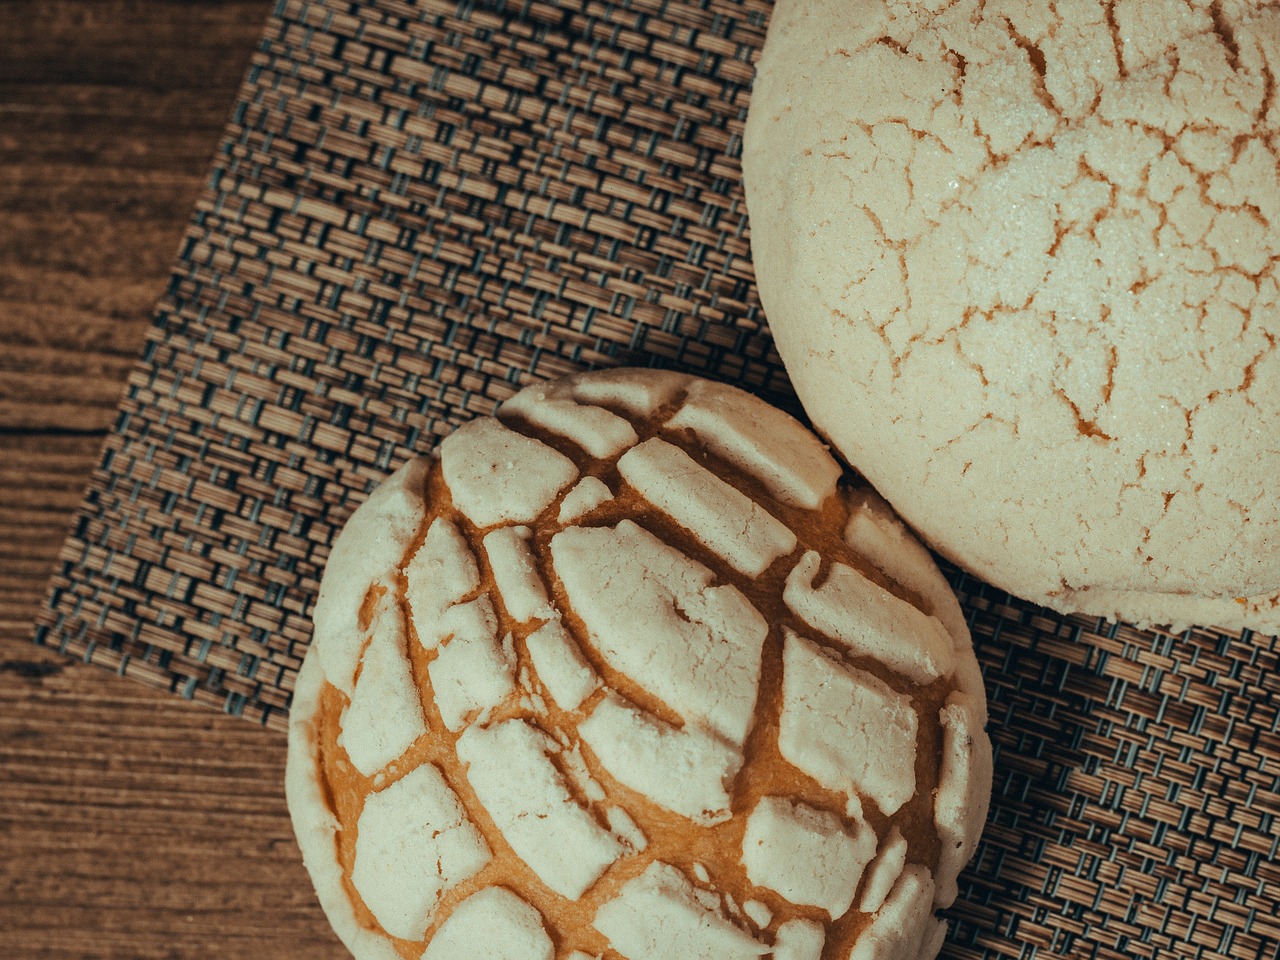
{"points": [[630, 671], [1019, 259]]}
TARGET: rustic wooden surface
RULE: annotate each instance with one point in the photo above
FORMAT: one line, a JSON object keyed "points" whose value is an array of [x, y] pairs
{"points": [[132, 824]]}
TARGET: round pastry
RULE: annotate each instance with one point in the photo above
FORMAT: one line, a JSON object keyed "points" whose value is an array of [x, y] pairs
{"points": [[630, 671], [1033, 247]]}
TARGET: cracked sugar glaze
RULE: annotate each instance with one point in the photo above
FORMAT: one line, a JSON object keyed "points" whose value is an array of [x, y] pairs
{"points": [[1020, 261], [630, 671]]}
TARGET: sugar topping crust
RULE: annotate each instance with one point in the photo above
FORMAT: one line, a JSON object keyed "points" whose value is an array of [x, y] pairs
{"points": [[369, 548], [660, 914], [806, 855], [417, 843], [846, 728], [653, 614], [1095, 182], [640, 680], [385, 714], [492, 924], [868, 619], [799, 940], [515, 572]]}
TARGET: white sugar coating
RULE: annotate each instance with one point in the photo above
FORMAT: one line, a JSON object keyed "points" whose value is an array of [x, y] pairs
{"points": [[472, 620], [316, 825], [587, 494], [385, 715], [876, 533], [930, 183], [960, 804], [626, 829], [845, 728], [869, 620], [884, 871], [687, 771], [806, 855], [700, 873], [472, 673], [579, 774], [491, 924], [799, 940], [933, 939], [509, 767], [722, 518], [652, 613], [414, 844], [879, 536], [758, 912], [515, 573], [580, 955], [639, 393], [600, 433], [442, 572], [369, 548], [853, 809], [561, 666], [496, 475], [760, 440], [660, 916], [903, 923]]}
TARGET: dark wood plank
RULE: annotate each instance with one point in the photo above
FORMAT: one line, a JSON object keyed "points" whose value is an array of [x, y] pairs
{"points": [[109, 115], [42, 478], [135, 825], [132, 824]]}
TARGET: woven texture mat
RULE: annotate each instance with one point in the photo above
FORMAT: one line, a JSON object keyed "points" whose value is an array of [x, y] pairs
{"points": [[419, 207]]}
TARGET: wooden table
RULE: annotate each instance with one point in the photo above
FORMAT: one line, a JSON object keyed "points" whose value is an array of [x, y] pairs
{"points": [[132, 824]]}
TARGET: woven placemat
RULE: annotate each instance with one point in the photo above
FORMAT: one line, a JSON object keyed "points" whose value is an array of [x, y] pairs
{"points": [[416, 209]]}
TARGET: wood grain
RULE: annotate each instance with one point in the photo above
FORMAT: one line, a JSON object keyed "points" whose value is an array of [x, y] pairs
{"points": [[132, 824], [139, 826], [1137, 796]]}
